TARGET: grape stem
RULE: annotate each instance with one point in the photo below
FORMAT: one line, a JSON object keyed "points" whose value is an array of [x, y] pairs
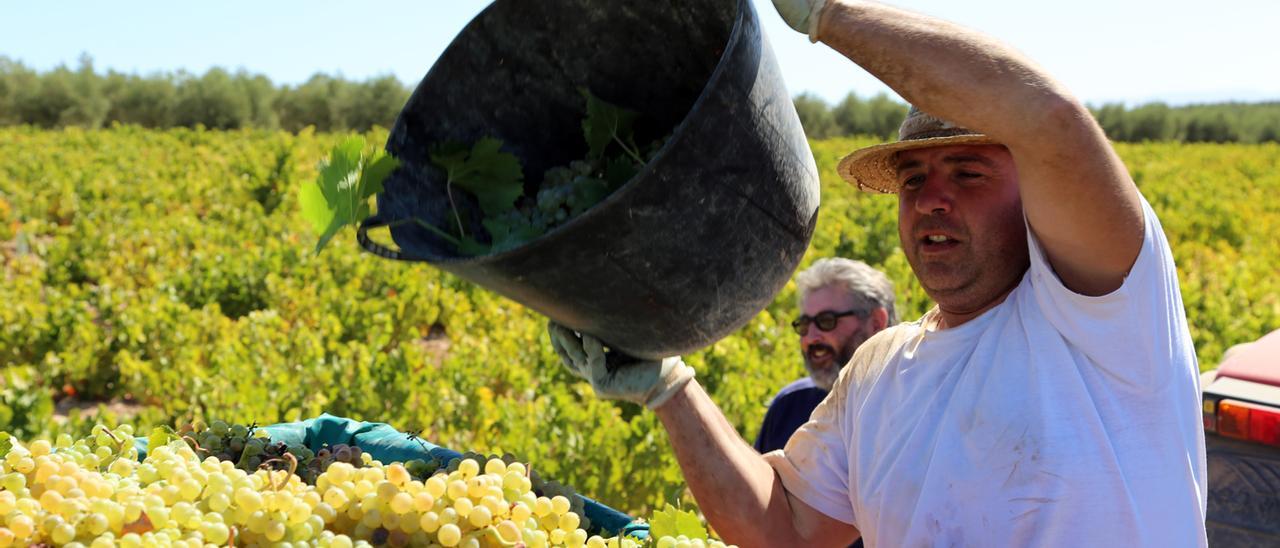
{"points": [[193, 442], [120, 447], [110, 435], [442, 234], [495, 536], [448, 189], [293, 468], [634, 155]]}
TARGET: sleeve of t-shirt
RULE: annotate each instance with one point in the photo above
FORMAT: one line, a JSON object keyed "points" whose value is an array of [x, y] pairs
{"points": [[814, 464], [1132, 331]]}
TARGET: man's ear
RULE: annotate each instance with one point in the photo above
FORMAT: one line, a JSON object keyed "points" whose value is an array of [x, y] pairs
{"points": [[879, 319]]}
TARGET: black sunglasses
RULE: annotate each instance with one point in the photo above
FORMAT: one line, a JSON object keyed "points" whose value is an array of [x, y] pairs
{"points": [[825, 320]]}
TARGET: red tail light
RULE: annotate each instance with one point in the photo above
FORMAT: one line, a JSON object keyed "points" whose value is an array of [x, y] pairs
{"points": [[1247, 421]]}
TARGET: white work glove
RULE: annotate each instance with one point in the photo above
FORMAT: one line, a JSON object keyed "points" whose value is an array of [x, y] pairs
{"points": [[802, 15], [649, 383]]}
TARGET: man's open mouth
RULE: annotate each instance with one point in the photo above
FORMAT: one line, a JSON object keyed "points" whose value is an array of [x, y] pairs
{"points": [[935, 242]]}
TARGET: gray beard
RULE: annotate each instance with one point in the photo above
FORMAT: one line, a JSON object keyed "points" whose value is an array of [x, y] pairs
{"points": [[826, 378]]}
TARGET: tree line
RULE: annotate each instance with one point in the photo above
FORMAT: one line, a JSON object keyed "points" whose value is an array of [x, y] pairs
{"points": [[218, 99], [1207, 123], [221, 99]]}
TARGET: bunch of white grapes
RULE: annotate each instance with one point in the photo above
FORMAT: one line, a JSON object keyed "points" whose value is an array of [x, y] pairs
{"points": [[469, 507], [93, 492]]}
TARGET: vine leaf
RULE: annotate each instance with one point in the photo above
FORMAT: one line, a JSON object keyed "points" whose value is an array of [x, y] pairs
{"points": [[508, 234], [340, 195], [673, 522], [607, 122], [494, 177]]}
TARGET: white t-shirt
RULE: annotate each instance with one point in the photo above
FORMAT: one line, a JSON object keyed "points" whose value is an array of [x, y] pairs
{"points": [[1053, 419]]}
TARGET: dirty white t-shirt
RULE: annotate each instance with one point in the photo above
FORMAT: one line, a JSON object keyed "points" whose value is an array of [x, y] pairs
{"points": [[1054, 419]]}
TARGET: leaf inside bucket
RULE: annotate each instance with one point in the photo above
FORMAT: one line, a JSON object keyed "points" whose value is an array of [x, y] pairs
{"points": [[605, 123], [494, 177]]}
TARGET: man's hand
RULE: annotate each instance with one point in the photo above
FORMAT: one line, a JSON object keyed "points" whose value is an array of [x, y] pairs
{"points": [[649, 383], [802, 15]]}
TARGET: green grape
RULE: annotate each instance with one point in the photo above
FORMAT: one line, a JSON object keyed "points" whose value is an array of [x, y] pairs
{"points": [[479, 516], [559, 504], [449, 535]]}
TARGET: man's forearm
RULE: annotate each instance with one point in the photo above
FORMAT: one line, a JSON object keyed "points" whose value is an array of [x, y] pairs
{"points": [[942, 68], [738, 492]]}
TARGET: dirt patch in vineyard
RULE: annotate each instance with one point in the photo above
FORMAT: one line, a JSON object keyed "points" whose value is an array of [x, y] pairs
{"points": [[435, 345], [122, 410], [24, 246]]}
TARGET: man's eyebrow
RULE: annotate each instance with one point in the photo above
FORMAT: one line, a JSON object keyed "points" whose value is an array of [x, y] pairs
{"points": [[967, 158], [909, 164], [960, 158]]}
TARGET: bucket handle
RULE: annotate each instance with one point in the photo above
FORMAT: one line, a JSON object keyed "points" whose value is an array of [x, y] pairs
{"points": [[376, 248]]}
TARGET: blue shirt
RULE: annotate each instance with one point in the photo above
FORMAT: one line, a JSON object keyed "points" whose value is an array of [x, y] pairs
{"points": [[789, 409]]}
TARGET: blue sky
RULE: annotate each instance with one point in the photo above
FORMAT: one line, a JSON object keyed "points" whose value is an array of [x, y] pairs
{"points": [[1135, 51]]}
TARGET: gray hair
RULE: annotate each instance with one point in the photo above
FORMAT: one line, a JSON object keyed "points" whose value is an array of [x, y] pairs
{"points": [[869, 287]]}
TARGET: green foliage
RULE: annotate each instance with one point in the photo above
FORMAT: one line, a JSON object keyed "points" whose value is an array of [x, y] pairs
{"points": [[218, 99], [340, 196], [815, 116], [1211, 123], [673, 522], [492, 176], [879, 117], [222, 99], [141, 273], [63, 97], [606, 123], [213, 100]]}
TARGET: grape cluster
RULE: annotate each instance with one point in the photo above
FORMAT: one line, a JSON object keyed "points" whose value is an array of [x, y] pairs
{"points": [[565, 192], [93, 492], [473, 506], [560, 197], [311, 469], [540, 487], [685, 542], [247, 446]]}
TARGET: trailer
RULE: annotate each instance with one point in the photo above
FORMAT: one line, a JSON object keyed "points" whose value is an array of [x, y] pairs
{"points": [[1242, 437]]}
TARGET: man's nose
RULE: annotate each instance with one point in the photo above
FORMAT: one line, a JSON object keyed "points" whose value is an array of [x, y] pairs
{"points": [[811, 336], [935, 196]]}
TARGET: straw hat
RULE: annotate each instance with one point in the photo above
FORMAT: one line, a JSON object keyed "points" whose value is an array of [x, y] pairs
{"points": [[873, 169]]}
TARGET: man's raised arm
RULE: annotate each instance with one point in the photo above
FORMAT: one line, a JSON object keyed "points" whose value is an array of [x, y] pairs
{"points": [[1078, 197]]}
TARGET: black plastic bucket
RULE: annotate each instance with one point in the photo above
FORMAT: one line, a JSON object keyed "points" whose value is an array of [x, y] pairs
{"points": [[695, 244]]}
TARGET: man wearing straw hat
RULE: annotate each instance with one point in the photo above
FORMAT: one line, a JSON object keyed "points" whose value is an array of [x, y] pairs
{"points": [[1051, 397]]}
